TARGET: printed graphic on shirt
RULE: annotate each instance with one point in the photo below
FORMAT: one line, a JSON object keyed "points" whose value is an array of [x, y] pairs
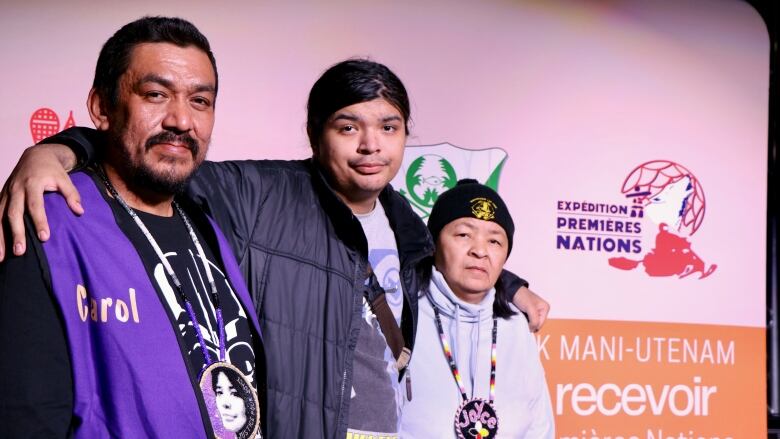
{"points": [[238, 350], [374, 410], [387, 270], [374, 406]]}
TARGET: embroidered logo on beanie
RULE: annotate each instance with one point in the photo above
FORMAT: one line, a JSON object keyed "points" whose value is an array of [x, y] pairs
{"points": [[483, 208]]}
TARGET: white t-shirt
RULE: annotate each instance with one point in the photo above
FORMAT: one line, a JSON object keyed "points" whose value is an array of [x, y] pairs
{"points": [[375, 408]]}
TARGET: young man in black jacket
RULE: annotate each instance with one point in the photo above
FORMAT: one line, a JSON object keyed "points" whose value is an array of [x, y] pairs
{"points": [[332, 272]]}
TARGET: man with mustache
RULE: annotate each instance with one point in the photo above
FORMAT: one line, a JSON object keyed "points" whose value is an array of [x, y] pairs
{"points": [[114, 326], [330, 253]]}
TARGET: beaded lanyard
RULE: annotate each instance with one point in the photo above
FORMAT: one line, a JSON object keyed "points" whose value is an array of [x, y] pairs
{"points": [[454, 367], [168, 269]]}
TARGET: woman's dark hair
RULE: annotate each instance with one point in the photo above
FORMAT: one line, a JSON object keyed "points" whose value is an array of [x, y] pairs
{"points": [[114, 57], [501, 303], [351, 82]]}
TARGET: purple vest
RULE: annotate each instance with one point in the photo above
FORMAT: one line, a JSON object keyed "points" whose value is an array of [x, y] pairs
{"points": [[129, 376]]}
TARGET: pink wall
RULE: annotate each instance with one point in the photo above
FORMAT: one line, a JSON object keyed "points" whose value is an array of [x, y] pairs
{"points": [[578, 93]]}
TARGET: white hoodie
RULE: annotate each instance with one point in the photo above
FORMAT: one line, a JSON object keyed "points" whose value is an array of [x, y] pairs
{"points": [[522, 399]]}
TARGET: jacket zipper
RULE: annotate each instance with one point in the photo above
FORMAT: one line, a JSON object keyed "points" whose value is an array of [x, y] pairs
{"points": [[343, 384], [344, 374]]}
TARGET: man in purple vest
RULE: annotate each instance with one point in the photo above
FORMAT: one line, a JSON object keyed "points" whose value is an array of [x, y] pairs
{"points": [[133, 319]]}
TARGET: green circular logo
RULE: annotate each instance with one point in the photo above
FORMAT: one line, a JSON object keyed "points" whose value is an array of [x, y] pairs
{"points": [[428, 177]]}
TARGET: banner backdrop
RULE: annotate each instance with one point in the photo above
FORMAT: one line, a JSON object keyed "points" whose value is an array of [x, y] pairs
{"points": [[628, 138]]}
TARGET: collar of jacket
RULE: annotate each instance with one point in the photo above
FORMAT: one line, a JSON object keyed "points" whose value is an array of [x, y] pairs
{"points": [[416, 243]]}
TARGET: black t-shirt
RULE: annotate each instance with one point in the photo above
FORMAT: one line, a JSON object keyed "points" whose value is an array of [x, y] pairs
{"points": [[177, 246]]}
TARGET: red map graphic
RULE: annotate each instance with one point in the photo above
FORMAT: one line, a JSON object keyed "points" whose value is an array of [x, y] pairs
{"points": [[671, 256], [647, 184], [44, 122]]}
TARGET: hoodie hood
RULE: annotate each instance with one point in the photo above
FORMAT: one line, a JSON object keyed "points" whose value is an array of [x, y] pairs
{"points": [[453, 307], [459, 316]]}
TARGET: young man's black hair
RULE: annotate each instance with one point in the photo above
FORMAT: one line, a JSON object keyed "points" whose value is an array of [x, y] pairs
{"points": [[351, 82]]}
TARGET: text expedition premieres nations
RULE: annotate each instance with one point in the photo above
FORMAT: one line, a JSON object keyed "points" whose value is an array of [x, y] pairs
{"points": [[598, 227]]}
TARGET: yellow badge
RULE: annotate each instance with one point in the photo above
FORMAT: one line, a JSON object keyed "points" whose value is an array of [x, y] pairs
{"points": [[483, 208]]}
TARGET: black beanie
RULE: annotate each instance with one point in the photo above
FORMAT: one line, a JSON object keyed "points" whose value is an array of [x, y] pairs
{"points": [[470, 199]]}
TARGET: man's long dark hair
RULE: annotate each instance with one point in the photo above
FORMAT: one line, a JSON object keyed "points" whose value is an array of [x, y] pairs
{"points": [[351, 82]]}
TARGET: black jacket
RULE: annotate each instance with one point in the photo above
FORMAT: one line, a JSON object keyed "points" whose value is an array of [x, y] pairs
{"points": [[304, 257]]}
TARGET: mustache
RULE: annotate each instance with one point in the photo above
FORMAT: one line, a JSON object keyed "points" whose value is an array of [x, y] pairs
{"points": [[368, 160], [171, 137]]}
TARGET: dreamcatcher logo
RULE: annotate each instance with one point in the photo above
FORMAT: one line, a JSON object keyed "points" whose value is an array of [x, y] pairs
{"points": [[662, 196], [671, 197]]}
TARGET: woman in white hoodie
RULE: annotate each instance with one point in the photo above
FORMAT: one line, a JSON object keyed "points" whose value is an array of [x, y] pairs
{"points": [[475, 367]]}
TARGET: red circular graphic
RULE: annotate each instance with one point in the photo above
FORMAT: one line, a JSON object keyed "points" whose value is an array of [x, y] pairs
{"points": [[44, 123], [649, 179]]}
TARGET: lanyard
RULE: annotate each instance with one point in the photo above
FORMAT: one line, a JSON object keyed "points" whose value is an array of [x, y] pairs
{"points": [[454, 367], [168, 269]]}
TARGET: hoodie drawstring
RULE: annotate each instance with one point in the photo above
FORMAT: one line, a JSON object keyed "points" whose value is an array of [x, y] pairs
{"points": [[474, 350], [474, 364]]}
